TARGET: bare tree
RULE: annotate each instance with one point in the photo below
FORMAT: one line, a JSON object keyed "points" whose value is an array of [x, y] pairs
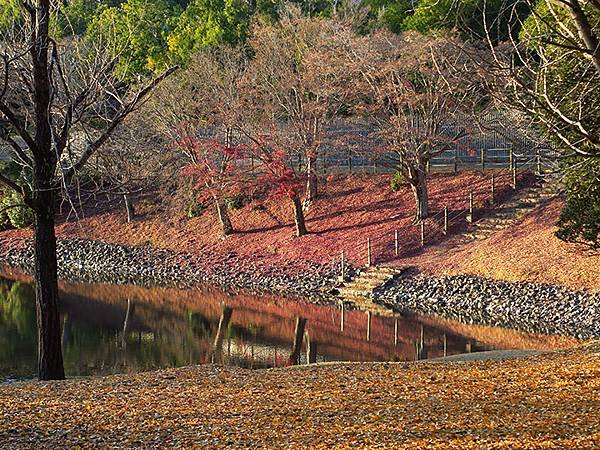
{"points": [[301, 68], [52, 92], [552, 72], [201, 112], [421, 89]]}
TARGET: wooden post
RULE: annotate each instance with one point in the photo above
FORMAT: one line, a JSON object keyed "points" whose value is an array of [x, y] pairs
{"points": [[428, 166], [468, 347], [368, 325], [343, 268], [396, 244], [130, 209], [395, 331], [369, 261], [445, 346], [423, 232], [510, 159], [514, 177], [349, 162], [455, 159], [445, 220], [493, 189], [375, 166], [470, 217], [482, 159], [342, 307]]}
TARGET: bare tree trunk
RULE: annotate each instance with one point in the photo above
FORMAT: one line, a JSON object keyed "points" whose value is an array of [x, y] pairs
{"points": [[223, 214], [311, 181], [50, 359], [419, 188], [299, 216]]}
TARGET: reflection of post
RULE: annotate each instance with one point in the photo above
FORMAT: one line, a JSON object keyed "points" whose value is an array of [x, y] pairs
{"points": [[223, 325], [395, 331], [66, 331], [298, 335], [368, 325], [445, 346], [127, 322], [311, 349], [342, 316]]}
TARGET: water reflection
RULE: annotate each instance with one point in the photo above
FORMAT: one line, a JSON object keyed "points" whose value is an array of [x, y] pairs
{"points": [[115, 329]]}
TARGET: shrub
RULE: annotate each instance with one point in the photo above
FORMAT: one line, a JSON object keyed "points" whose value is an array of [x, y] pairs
{"points": [[397, 181], [236, 202], [195, 209], [18, 216], [580, 218]]}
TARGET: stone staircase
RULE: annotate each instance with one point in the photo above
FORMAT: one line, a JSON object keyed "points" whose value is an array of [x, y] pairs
{"points": [[359, 290], [521, 203]]}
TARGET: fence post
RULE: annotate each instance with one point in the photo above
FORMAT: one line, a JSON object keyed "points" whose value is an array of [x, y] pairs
{"points": [[510, 159], [428, 166], [455, 159], [369, 261], [423, 232], [445, 220], [396, 244], [343, 269], [482, 159], [470, 216], [493, 189], [514, 176], [349, 162]]}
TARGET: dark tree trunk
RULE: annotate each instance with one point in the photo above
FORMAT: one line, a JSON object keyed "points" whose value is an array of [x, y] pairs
{"points": [[311, 181], [224, 219], [299, 216], [419, 187], [50, 359], [298, 336]]}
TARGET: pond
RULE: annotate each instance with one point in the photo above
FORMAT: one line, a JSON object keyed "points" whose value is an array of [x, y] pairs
{"points": [[111, 329]]}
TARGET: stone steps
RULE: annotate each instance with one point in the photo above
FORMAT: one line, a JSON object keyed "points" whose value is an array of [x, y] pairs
{"points": [[523, 202], [359, 291]]}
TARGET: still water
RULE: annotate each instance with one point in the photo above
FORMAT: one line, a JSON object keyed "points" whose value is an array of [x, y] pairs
{"points": [[121, 329]]}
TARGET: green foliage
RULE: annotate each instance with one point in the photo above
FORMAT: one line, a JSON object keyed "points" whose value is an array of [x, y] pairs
{"points": [[195, 209], [74, 17], [137, 32], [386, 13], [580, 218], [467, 17], [397, 181], [17, 214], [236, 202], [209, 22], [11, 13]]}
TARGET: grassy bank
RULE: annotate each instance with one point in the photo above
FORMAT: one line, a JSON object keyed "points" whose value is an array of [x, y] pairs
{"points": [[545, 401]]}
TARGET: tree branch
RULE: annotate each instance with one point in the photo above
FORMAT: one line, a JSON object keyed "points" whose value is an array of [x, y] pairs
{"points": [[118, 119]]}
